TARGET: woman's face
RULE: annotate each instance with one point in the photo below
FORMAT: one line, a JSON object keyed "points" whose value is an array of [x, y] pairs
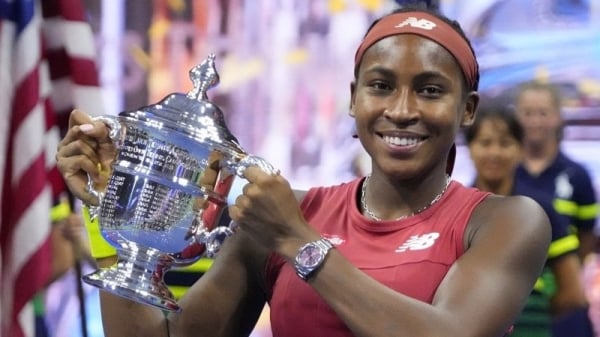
{"points": [[408, 102], [539, 116], [494, 151]]}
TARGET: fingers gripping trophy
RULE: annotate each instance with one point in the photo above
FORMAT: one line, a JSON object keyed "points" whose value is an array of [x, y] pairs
{"points": [[173, 169]]}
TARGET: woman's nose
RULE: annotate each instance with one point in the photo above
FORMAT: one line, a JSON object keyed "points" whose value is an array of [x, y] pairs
{"points": [[402, 107]]}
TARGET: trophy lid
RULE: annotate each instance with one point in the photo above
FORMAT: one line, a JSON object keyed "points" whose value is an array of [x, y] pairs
{"points": [[192, 114]]}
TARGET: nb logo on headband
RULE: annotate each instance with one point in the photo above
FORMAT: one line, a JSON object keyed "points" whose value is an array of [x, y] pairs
{"points": [[417, 23]]}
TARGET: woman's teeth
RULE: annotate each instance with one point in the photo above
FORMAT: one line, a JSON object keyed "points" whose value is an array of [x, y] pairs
{"points": [[400, 141]]}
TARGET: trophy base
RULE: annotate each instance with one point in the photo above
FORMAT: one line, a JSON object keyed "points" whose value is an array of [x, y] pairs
{"points": [[137, 277]]}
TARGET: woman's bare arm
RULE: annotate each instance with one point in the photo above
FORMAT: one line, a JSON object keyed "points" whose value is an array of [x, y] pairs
{"points": [[569, 286], [229, 298], [487, 286]]}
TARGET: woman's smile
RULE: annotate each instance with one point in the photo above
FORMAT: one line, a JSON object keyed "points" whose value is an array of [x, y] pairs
{"points": [[402, 144]]}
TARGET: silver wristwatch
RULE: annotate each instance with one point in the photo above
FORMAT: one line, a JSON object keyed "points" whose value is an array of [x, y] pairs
{"points": [[310, 257]]}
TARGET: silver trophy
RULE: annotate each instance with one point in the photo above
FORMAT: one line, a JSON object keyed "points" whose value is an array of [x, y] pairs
{"points": [[175, 164]]}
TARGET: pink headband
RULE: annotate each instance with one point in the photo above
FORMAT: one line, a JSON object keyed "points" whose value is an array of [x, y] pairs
{"points": [[428, 26]]}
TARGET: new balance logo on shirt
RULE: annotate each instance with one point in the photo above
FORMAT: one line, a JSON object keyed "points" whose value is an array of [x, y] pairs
{"points": [[415, 242], [418, 242], [334, 239]]}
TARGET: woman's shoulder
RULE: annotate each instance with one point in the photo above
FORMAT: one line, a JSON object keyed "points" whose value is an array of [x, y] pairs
{"points": [[518, 216]]}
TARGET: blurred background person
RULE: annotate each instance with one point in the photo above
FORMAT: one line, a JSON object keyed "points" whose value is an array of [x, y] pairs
{"points": [[69, 253], [495, 143], [546, 169], [548, 174]]}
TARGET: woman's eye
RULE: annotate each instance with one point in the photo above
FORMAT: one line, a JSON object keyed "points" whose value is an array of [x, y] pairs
{"points": [[506, 143], [380, 85], [484, 142], [431, 91]]}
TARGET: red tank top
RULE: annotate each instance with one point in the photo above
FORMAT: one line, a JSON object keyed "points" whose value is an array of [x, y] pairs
{"points": [[411, 255]]}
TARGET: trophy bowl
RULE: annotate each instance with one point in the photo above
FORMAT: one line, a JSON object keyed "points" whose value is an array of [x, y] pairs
{"points": [[167, 189]]}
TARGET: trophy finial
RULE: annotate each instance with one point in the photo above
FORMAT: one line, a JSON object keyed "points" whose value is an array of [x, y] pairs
{"points": [[204, 76]]}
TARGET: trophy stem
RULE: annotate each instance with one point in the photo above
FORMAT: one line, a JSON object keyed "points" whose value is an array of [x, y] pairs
{"points": [[138, 276]]}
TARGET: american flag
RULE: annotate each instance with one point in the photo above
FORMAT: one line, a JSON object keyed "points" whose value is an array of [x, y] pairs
{"points": [[47, 67]]}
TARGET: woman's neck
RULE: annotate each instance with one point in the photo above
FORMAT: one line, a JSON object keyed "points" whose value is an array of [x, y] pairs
{"points": [[394, 199], [501, 187], [539, 156]]}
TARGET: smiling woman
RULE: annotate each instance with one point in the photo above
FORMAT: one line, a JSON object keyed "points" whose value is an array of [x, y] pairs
{"points": [[410, 253], [495, 142]]}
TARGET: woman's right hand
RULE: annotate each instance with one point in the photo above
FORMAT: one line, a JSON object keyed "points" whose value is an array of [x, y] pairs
{"points": [[85, 151]]}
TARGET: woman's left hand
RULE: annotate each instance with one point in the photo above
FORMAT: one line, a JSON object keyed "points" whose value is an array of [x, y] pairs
{"points": [[268, 211]]}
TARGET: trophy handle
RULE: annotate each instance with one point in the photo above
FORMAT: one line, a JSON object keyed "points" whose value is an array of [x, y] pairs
{"points": [[213, 239], [251, 160], [114, 128], [216, 237]]}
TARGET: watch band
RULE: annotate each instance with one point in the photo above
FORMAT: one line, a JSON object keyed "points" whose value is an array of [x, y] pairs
{"points": [[324, 244], [310, 257]]}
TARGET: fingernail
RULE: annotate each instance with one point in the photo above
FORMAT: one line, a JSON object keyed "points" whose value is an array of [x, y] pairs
{"points": [[86, 127]]}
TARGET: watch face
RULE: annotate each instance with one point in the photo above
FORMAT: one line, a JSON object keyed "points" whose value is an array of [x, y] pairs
{"points": [[310, 256]]}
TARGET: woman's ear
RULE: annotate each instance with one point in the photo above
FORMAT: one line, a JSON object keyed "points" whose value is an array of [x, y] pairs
{"points": [[472, 101], [352, 92]]}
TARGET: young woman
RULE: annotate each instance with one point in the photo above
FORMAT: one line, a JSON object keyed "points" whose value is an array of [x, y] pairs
{"points": [[495, 142], [548, 173], [415, 254]]}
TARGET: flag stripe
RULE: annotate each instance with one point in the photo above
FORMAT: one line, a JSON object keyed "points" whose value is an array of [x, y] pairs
{"points": [[28, 230], [28, 141], [7, 33], [85, 97], [28, 187], [74, 42], [46, 61], [18, 12], [28, 48], [67, 9], [75, 66]]}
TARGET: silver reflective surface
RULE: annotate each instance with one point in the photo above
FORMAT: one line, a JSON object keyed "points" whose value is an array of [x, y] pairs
{"points": [[175, 164]]}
